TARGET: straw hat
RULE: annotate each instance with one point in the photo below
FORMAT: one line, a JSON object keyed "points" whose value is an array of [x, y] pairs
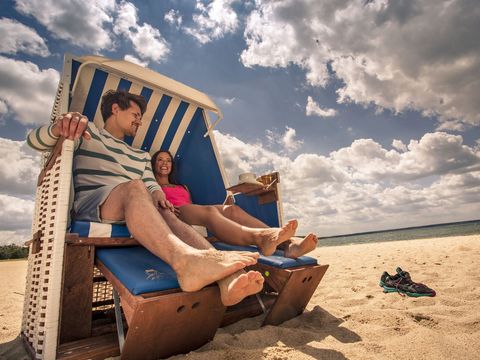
{"points": [[248, 178]]}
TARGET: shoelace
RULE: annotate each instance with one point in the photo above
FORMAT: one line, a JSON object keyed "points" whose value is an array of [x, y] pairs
{"points": [[399, 291]]}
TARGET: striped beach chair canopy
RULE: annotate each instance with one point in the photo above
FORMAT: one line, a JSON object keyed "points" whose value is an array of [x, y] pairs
{"points": [[177, 118]]}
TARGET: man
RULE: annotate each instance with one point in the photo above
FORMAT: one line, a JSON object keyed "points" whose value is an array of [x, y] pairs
{"points": [[114, 183]]}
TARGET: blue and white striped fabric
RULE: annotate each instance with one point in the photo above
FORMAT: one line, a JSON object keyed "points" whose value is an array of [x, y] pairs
{"points": [[170, 123], [93, 229]]}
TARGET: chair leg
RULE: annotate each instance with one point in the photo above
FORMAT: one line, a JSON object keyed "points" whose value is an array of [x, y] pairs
{"points": [[118, 320], [262, 305], [295, 294]]}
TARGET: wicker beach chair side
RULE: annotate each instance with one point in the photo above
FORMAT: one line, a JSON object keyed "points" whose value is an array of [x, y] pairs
{"points": [[45, 262]]}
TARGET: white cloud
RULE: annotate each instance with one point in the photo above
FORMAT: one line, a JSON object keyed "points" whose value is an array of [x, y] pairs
{"points": [[17, 37], [287, 140], [90, 24], [434, 154], [15, 213], [314, 109], [3, 108], [392, 55], [17, 237], [79, 22], [173, 17], [135, 60], [399, 145], [214, 21], [27, 90], [366, 187], [19, 167], [147, 40]]}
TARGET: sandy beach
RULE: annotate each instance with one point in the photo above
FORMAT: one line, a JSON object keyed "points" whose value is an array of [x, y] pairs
{"points": [[349, 317]]}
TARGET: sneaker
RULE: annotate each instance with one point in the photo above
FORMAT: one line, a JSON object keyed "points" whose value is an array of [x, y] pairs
{"points": [[403, 284]]}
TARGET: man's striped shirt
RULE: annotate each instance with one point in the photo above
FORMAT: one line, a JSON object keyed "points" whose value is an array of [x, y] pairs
{"points": [[102, 160]]}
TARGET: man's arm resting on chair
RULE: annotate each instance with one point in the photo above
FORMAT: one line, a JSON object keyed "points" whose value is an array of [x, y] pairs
{"points": [[71, 126]]}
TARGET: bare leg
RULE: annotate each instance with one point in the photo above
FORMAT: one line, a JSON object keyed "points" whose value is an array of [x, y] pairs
{"points": [[294, 247], [267, 239], [195, 268], [233, 288]]}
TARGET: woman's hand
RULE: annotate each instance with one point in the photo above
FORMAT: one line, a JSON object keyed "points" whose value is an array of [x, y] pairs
{"points": [[160, 200], [176, 211]]}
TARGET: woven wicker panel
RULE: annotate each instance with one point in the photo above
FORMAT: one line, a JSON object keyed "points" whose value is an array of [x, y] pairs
{"points": [[102, 292], [39, 263], [41, 304]]}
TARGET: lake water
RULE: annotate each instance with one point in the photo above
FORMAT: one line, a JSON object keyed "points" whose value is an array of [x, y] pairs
{"points": [[430, 231]]}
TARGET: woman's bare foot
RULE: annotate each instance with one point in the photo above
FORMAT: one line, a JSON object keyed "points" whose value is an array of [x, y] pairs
{"points": [[238, 286], [298, 246], [268, 239], [202, 267]]}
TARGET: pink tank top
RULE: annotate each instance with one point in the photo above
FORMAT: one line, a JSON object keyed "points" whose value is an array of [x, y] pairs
{"points": [[177, 195]]}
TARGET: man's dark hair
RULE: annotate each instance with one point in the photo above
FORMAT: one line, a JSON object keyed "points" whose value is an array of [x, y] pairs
{"points": [[122, 98]]}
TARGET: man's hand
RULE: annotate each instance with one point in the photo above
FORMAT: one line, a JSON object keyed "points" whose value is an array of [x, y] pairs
{"points": [[72, 126], [160, 200]]}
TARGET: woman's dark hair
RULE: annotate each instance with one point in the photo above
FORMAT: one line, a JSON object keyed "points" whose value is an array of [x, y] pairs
{"points": [[171, 177], [122, 98]]}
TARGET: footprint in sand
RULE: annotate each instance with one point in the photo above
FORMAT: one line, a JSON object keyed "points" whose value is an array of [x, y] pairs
{"points": [[424, 320]]}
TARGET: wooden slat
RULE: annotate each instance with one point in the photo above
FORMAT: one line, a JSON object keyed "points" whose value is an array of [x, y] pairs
{"points": [[295, 295], [76, 313], [173, 324], [95, 348], [74, 239], [276, 278]]}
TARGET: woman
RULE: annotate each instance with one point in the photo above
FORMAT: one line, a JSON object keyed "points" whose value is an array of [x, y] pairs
{"points": [[229, 223]]}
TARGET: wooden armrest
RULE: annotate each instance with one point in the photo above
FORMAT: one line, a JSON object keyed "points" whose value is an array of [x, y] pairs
{"points": [[74, 239], [56, 152]]}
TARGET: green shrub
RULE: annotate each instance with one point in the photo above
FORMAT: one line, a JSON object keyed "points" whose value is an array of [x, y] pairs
{"points": [[13, 252]]}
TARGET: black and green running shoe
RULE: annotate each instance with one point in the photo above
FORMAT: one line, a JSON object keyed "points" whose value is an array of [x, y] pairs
{"points": [[403, 284]]}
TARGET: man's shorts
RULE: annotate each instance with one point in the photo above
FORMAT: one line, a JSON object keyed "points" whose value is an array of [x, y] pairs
{"points": [[87, 207]]}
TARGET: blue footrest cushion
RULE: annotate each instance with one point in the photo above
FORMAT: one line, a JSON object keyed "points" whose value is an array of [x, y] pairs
{"points": [[138, 269], [276, 260]]}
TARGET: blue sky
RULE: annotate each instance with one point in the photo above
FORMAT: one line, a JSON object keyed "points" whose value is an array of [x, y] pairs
{"points": [[369, 109]]}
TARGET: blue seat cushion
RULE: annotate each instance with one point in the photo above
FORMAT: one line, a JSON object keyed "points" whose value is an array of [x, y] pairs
{"points": [[142, 272], [94, 229], [138, 269], [277, 260]]}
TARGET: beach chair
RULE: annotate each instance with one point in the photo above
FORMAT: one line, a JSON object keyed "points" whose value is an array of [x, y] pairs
{"points": [[73, 277]]}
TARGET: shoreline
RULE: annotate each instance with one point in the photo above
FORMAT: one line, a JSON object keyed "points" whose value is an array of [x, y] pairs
{"points": [[348, 316]]}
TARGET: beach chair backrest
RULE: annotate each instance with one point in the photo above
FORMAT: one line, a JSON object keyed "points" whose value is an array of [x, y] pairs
{"points": [[177, 119]]}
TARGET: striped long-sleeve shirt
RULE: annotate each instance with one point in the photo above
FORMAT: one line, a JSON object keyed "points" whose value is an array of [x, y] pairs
{"points": [[102, 160]]}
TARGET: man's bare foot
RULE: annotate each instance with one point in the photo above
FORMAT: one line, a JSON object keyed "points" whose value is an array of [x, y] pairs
{"points": [[202, 267], [238, 286], [268, 239], [298, 246]]}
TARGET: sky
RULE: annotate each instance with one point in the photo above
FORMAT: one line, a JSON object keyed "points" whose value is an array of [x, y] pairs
{"points": [[369, 109]]}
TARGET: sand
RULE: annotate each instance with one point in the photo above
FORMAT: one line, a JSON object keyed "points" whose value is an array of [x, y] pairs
{"points": [[349, 317]]}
